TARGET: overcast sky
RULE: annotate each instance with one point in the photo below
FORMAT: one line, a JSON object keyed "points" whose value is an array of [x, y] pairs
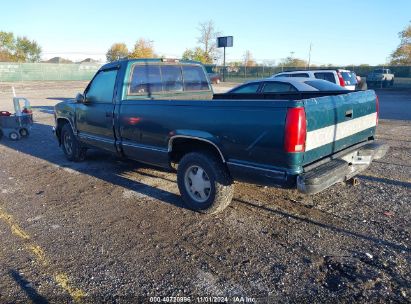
{"points": [[341, 32]]}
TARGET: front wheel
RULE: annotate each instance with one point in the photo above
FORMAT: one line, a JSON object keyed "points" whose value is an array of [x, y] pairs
{"points": [[204, 183], [71, 147]]}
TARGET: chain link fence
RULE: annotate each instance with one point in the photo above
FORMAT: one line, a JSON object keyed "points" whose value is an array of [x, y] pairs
{"points": [[241, 73], [11, 71]]}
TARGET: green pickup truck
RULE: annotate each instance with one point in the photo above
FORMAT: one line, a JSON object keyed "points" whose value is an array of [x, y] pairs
{"points": [[164, 113]]}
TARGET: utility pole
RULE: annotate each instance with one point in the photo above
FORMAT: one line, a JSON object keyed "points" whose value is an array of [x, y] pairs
{"points": [[309, 56], [224, 67]]}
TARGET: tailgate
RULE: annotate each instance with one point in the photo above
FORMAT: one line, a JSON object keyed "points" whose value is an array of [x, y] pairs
{"points": [[337, 122]]}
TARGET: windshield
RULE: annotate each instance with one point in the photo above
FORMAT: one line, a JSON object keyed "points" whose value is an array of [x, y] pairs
{"points": [[323, 85]]}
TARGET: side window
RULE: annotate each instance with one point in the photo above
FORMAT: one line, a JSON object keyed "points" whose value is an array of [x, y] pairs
{"points": [[278, 87], [145, 79], [248, 88], [101, 88], [300, 75], [194, 78], [283, 75], [325, 76], [172, 78]]}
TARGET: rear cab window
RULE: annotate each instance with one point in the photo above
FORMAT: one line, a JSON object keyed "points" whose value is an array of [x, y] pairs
{"points": [[172, 78], [146, 79], [194, 78]]}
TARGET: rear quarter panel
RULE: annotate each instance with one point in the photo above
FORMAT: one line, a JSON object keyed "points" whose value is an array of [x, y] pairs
{"points": [[247, 132]]}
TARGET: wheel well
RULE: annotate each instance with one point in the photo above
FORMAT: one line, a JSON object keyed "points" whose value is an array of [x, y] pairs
{"points": [[60, 124], [182, 146]]}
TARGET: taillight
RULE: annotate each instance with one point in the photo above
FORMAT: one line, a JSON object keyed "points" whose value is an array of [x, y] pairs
{"points": [[377, 108], [295, 130], [341, 79]]}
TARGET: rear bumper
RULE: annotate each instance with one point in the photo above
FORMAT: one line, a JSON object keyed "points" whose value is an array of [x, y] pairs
{"points": [[340, 169]]}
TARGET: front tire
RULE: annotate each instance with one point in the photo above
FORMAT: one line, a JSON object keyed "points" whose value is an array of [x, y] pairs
{"points": [[70, 145], [204, 183]]}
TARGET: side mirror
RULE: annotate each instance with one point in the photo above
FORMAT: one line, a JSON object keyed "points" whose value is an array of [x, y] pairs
{"points": [[80, 98]]}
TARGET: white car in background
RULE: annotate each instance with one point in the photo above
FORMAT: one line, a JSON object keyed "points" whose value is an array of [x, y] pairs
{"points": [[285, 85], [344, 78]]}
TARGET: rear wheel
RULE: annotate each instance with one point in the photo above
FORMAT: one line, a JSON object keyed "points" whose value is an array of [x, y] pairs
{"points": [[70, 145], [204, 183], [14, 136], [24, 132]]}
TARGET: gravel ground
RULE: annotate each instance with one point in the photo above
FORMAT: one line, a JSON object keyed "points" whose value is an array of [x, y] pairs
{"points": [[110, 230]]}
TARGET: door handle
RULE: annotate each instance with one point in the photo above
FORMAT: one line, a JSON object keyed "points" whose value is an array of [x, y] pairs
{"points": [[348, 114]]}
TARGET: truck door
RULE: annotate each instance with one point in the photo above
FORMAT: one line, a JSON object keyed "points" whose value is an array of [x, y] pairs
{"points": [[94, 117]]}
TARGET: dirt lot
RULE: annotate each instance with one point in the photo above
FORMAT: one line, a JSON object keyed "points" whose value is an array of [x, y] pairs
{"points": [[111, 230]]}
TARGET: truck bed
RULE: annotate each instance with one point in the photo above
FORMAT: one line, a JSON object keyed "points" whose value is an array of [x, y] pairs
{"points": [[279, 96]]}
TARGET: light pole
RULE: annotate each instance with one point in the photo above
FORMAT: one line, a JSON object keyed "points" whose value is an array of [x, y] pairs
{"points": [[226, 41]]}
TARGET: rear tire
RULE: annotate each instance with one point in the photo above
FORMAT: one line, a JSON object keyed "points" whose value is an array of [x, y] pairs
{"points": [[14, 136], [204, 183], [70, 145], [24, 132]]}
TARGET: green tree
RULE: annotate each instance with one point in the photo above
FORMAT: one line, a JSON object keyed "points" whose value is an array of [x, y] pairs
{"points": [[402, 55], [196, 54], [18, 49], [27, 50], [116, 52], [143, 49], [6, 46], [293, 62]]}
